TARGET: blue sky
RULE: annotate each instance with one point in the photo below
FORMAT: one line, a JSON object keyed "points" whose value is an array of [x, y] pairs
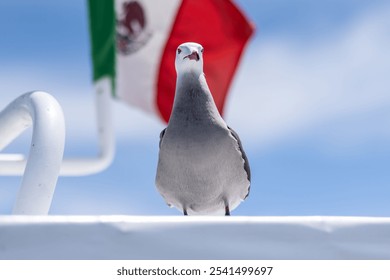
{"points": [[311, 102]]}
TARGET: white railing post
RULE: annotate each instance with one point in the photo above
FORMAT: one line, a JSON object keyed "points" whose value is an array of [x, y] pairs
{"points": [[106, 136], [14, 165], [43, 112]]}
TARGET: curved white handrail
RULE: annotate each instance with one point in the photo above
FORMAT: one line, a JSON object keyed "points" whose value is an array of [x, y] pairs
{"points": [[43, 112], [15, 164]]}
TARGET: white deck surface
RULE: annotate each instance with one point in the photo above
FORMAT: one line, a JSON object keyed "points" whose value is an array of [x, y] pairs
{"points": [[162, 237]]}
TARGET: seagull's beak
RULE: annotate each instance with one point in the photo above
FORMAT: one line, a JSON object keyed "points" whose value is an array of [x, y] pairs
{"points": [[193, 56]]}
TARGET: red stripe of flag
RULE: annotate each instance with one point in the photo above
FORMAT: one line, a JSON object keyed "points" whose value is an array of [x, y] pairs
{"points": [[223, 31]]}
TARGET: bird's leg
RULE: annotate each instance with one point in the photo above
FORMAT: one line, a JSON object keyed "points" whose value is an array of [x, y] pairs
{"points": [[185, 212], [227, 210]]}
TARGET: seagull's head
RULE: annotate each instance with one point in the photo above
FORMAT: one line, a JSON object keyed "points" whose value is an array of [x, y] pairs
{"points": [[189, 58]]}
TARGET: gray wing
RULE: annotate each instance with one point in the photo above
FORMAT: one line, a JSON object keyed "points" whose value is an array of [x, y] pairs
{"points": [[246, 162], [161, 137]]}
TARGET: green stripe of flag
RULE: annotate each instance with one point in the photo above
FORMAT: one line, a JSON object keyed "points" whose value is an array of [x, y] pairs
{"points": [[102, 32]]}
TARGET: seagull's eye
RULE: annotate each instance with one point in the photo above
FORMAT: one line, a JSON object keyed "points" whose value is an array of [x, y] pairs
{"points": [[178, 51]]}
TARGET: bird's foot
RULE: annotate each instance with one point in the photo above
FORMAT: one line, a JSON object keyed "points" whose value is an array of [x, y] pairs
{"points": [[185, 212], [227, 211]]}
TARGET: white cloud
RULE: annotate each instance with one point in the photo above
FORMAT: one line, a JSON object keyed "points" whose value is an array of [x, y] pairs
{"points": [[286, 87]]}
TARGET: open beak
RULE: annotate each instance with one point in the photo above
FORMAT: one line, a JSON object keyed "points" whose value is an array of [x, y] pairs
{"points": [[193, 56]]}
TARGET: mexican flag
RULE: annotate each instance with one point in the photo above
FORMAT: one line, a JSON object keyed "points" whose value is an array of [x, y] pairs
{"points": [[134, 46]]}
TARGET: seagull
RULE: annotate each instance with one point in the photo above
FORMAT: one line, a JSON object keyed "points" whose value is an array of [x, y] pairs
{"points": [[202, 168]]}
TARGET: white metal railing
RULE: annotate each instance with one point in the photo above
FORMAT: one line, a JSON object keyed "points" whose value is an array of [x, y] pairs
{"points": [[15, 164], [195, 237], [87, 166], [43, 112], [29, 109]]}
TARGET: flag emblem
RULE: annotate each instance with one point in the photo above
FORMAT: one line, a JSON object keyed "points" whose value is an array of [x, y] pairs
{"points": [[131, 28]]}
